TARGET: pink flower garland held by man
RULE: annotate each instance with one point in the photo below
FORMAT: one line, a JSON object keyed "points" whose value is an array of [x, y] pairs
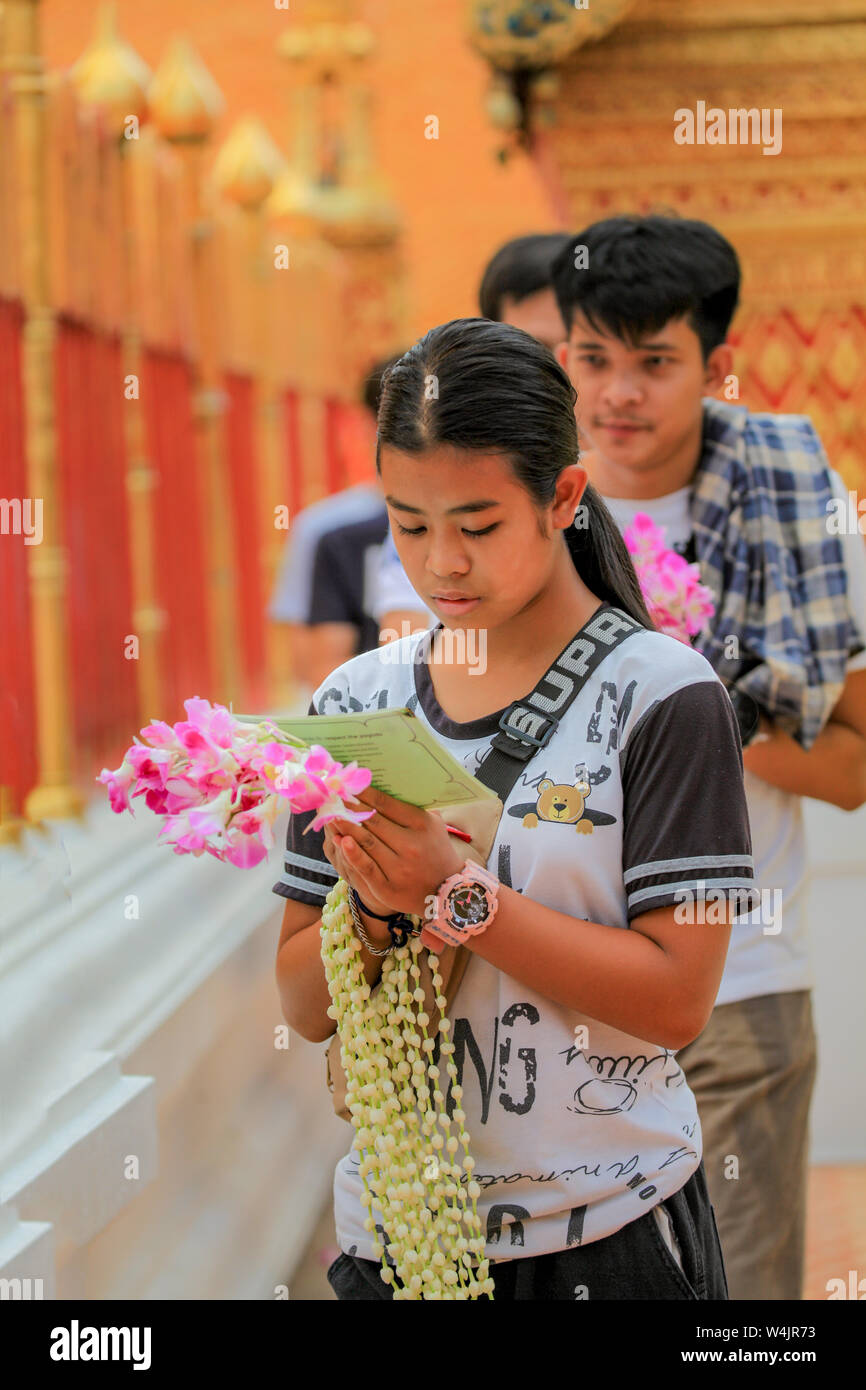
{"points": [[647, 305]]}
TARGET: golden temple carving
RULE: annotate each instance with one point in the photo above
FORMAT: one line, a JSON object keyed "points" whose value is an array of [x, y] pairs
{"points": [[602, 135]]}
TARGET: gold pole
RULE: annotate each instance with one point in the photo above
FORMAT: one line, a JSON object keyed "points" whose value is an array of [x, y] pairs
{"points": [[245, 172], [185, 102], [54, 796], [148, 619], [273, 455], [210, 408]]}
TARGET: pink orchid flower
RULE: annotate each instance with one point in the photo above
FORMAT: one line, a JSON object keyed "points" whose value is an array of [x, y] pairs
{"points": [[175, 831], [272, 762], [214, 721], [218, 784], [249, 838], [151, 765], [677, 601], [351, 778], [118, 783], [205, 755], [643, 537], [333, 808], [328, 795], [211, 818], [161, 735], [243, 851]]}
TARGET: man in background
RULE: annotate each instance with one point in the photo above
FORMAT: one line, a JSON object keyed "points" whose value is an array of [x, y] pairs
{"points": [[324, 590], [747, 496], [516, 288]]}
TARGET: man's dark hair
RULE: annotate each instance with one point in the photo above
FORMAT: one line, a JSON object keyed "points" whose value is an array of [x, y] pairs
{"points": [[371, 389], [520, 268], [637, 273]]}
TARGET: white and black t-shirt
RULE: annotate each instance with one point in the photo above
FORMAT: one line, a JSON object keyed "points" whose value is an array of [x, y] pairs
{"points": [[576, 1127]]}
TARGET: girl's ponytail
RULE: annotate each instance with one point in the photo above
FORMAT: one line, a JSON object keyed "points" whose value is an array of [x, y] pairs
{"points": [[602, 560]]}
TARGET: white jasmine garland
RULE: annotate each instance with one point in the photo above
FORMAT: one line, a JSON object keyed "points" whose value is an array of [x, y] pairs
{"points": [[409, 1162]]}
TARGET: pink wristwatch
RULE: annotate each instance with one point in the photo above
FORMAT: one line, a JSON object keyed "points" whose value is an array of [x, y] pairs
{"points": [[466, 904]]}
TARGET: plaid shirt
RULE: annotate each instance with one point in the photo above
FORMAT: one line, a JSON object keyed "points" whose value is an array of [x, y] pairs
{"points": [[759, 509]]}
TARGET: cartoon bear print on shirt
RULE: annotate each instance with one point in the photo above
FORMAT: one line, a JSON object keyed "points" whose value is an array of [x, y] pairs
{"points": [[564, 803]]}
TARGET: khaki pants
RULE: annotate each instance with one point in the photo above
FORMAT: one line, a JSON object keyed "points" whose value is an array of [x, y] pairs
{"points": [[752, 1070]]}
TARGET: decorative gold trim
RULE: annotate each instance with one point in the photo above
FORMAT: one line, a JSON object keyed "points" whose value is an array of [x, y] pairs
{"points": [[741, 14]]}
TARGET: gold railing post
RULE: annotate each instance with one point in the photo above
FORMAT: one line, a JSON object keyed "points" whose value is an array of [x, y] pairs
{"points": [[54, 796], [245, 171], [185, 102]]}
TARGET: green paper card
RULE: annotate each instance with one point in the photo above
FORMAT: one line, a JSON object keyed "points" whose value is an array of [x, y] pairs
{"points": [[405, 759]]}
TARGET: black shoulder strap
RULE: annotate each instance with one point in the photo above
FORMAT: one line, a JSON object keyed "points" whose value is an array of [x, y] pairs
{"points": [[530, 723]]}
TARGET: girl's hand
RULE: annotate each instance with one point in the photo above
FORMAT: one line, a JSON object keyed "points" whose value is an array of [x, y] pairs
{"points": [[397, 859], [347, 868]]}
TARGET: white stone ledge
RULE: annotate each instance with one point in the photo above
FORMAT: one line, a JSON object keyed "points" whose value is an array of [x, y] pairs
{"points": [[26, 1253], [72, 1173], [184, 1000]]}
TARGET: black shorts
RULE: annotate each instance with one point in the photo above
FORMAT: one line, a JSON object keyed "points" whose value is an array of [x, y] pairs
{"points": [[632, 1263]]}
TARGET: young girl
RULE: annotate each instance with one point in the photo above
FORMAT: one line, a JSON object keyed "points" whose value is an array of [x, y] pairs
{"points": [[595, 963]]}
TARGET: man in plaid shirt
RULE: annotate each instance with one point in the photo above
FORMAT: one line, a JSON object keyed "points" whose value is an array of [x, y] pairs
{"points": [[647, 302]]}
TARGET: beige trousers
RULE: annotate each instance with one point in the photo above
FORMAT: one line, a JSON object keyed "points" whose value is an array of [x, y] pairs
{"points": [[752, 1070]]}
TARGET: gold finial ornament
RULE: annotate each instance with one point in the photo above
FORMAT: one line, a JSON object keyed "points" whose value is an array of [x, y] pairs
{"points": [[326, 50], [514, 34], [110, 74], [525, 39], [358, 40], [333, 184], [293, 203], [354, 217], [326, 40], [248, 164], [185, 101]]}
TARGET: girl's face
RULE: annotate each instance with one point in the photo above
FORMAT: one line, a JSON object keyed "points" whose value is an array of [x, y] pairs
{"points": [[468, 533]]}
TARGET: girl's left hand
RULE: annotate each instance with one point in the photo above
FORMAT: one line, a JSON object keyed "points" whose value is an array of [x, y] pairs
{"points": [[400, 855]]}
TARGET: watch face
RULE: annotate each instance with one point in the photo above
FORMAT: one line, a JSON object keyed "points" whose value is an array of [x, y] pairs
{"points": [[467, 905]]}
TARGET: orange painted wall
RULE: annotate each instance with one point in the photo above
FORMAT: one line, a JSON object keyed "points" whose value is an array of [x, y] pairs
{"points": [[459, 202]]}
